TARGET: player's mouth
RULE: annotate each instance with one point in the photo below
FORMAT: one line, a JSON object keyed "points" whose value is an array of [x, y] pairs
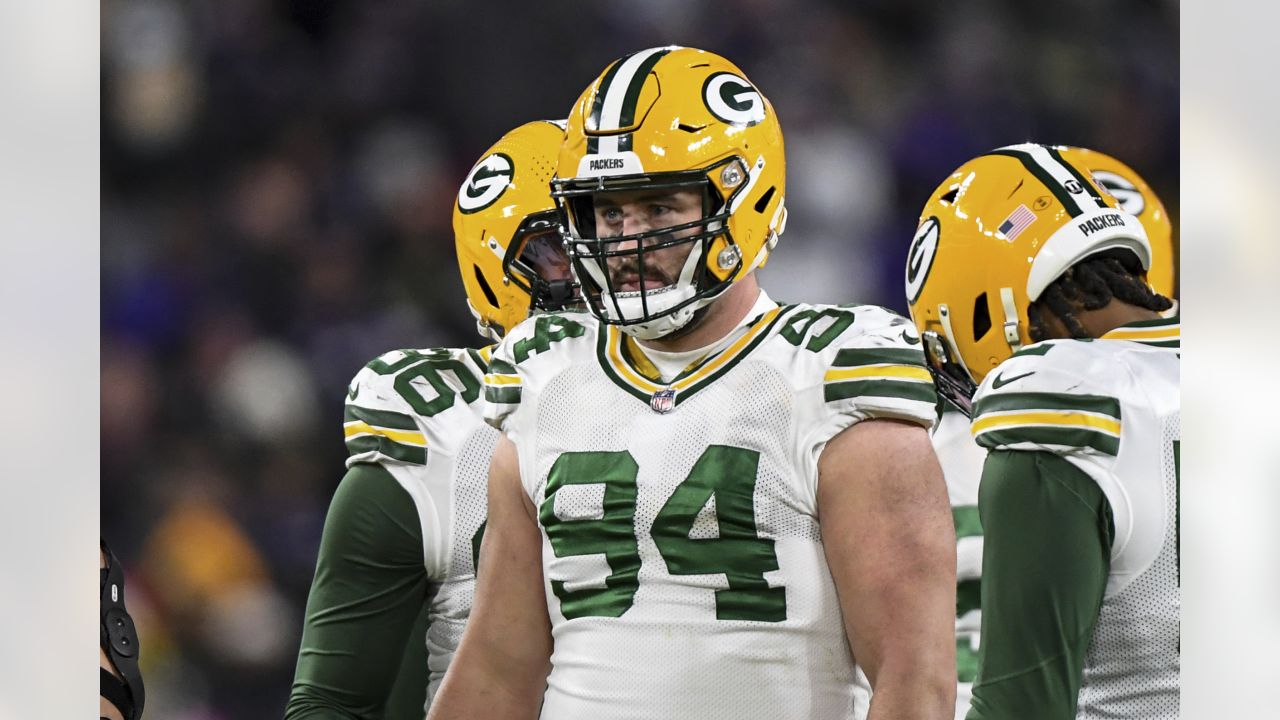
{"points": [[629, 279], [631, 283]]}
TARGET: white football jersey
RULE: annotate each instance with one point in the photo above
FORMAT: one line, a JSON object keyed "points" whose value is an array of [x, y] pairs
{"points": [[418, 413], [684, 566], [1110, 407], [961, 459]]}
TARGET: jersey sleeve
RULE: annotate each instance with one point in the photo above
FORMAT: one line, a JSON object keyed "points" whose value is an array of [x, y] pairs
{"points": [[1049, 398], [503, 385], [379, 424], [539, 347], [368, 590], [876, 369], [1045, 563]]}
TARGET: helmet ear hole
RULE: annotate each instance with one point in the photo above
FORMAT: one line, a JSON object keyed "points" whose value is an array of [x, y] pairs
{"points": [[763, 202], [484, 287], [981, 317]]}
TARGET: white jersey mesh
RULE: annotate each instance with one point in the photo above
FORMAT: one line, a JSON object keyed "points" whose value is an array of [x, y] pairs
{"points": [[1133, 663], [670, 637], [449, 490], [451, 604]]}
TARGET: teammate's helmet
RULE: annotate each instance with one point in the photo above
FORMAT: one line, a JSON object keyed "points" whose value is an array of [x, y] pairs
{"points": [[672, 118], [1136, 198], [507, 231], [992, 237]]}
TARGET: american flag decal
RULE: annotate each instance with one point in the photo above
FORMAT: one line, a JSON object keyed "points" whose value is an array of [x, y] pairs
{"points": [[1017, 221], [663, 400]]}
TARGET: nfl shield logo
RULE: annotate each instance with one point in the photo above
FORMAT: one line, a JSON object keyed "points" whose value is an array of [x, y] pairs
{"points": [[663, 400]]}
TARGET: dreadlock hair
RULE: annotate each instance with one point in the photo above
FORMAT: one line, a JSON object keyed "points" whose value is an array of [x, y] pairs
{"points": [[1089, 285]]}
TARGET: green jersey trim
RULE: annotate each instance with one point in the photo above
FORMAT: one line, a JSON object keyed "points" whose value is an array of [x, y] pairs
{"points": [[619, 369]]}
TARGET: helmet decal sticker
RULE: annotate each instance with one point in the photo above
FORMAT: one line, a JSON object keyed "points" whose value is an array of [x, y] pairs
{"points": [[488, 180], [733, 99], [924, 247], [1126, 193]]}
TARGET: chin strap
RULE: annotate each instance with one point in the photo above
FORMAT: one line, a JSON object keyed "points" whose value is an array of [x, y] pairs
{"points": [[119, 640], [1011, 335]]}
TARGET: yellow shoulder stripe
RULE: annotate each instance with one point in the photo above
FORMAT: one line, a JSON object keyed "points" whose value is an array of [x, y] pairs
{"points": [[1064, 418], [887, 372], [492, 379], [1151, 334], [404, 437]]}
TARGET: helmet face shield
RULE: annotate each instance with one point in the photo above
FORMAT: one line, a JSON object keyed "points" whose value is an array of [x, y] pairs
{"points": [[538, 263], [661, 271], [669, 120], [508, 233]]}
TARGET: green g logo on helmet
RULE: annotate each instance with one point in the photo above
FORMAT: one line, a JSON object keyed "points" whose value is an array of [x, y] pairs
{"points": [[488, 180], [733, 99], [1126, 193], [924, 246]]}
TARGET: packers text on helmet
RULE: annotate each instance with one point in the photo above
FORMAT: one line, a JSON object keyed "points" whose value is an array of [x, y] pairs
{"points": [[991, 238], [663, 120]]}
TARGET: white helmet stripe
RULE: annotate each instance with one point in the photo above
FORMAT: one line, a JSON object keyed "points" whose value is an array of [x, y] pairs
{"points": [[616, 94], [1056, 176]]}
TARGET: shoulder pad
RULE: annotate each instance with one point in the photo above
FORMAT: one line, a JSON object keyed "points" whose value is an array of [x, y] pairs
{"points": [[872, 361], [1052, 396], [538, 335], [392, 397], [542, 340]]}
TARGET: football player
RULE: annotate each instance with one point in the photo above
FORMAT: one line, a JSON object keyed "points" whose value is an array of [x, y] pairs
{"points": [[404, 525], [706, 505], [1029, 286], [962, 458]]}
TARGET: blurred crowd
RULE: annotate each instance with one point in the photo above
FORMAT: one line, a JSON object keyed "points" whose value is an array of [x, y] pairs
{"points": [[277, 181]]}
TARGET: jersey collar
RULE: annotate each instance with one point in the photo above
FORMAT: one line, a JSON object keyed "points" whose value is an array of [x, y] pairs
{"points": [[626, 368], [1161, 332]]}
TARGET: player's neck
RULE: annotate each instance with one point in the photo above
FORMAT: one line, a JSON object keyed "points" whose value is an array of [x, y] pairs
{"points": [[1107, 318], [722, 316]]}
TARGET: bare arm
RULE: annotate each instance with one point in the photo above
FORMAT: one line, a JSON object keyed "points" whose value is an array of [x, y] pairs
{"points": [[501, 667], [889, 540]]}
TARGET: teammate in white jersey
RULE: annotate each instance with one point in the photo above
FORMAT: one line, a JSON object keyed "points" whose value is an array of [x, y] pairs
{"points": [[398, 554], [1022, 259], [962, 458], [707, 505]]}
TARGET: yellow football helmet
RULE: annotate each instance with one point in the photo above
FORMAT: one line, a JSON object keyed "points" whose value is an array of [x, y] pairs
{"points": [[1136, 198], [992, 237], [507, 231], [672, 118]]}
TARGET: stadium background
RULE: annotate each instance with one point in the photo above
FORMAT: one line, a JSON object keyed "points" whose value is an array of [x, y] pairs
{"points": [[277, 180]]}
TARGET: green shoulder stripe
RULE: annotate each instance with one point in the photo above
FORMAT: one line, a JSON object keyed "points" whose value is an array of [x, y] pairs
{"points": [[897, 389], [478, 359], [1040, 348], [1072, 437], [386, 446], [853, 357], [379, 418], [1033, 401], [502, 395]]}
